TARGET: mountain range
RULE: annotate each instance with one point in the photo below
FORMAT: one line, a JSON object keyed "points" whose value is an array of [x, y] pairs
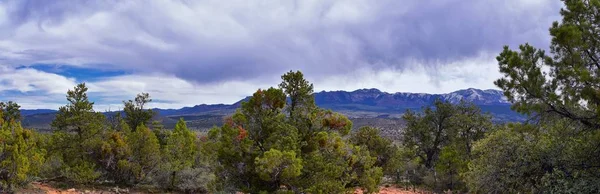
{"points": [[358, 104]]}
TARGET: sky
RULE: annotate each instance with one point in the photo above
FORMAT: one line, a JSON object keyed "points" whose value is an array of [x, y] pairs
{"points": [[186, 52]]}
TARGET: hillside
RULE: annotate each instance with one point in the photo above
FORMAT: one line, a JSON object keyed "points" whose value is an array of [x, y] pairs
{"points": [[362, 106]]}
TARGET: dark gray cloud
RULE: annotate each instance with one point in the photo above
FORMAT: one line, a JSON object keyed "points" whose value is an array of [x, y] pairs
{"points": [[212, 41]]}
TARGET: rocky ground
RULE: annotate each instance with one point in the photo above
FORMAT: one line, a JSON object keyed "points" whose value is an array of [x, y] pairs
{"points": [[44, 188], [395, 190]]}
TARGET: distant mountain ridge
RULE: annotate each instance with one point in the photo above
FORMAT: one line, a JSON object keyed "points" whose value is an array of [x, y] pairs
{"points": [[362, 103], [375, 103], [27, 112], [370, 99], [375, 97]]}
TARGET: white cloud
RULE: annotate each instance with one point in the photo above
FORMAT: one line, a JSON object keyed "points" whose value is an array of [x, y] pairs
{"points": [[191, 52], [212, 41], [34, 89], [31, 80], [3, 16], [172, 92], [479, 72]]}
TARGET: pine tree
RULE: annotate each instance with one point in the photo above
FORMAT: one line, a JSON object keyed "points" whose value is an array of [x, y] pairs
{"points": [[559, 152], [77, 137], [135, 115], [299, 91]]}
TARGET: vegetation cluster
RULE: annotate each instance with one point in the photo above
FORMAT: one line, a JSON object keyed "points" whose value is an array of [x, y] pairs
{"points": [[279, 141]]}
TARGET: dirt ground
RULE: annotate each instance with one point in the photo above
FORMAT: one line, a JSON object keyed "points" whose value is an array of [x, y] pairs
{"points": [[394, 190], [44, 188]]}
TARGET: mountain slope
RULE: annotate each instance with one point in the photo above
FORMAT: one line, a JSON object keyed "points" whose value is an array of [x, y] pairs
{"points": [[26, 112], [374, 97], [374, 103], [363, 103]]}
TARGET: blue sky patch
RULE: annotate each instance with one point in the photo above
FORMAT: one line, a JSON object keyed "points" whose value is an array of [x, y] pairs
{"points": [[79, 73]]}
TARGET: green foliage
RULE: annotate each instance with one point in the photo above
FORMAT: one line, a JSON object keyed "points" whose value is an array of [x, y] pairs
{"points": [[429, 132], [20, 155], [513, 154], [558, 153], [135, 115], [195, 180], [180, 147], [379, 147], [337, 167], [277, 165], [77, 138], [10, 111], [450, 165], [406, 167], [179, 154], [161, 133], [471, 124], [85, 148], [80, 171], [324, 169], [115, 150], [300, 92], [573, 68], [554, 157], [187, 163], [441, 140], [259, 126], [145, 157], [130, 157], [281, 142], [276, 145], [270, 145]]}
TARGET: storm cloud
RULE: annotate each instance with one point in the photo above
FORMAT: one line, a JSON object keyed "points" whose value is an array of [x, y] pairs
{"points": [[216, 42]]}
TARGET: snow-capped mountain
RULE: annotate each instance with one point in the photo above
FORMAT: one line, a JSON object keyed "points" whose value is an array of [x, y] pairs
{"points": [[487, 97], [375, 97], [363, 103], [373, 101]]}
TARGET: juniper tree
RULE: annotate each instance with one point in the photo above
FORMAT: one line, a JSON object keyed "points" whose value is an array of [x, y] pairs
{"points": [[20, 154], [277, 145]]}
